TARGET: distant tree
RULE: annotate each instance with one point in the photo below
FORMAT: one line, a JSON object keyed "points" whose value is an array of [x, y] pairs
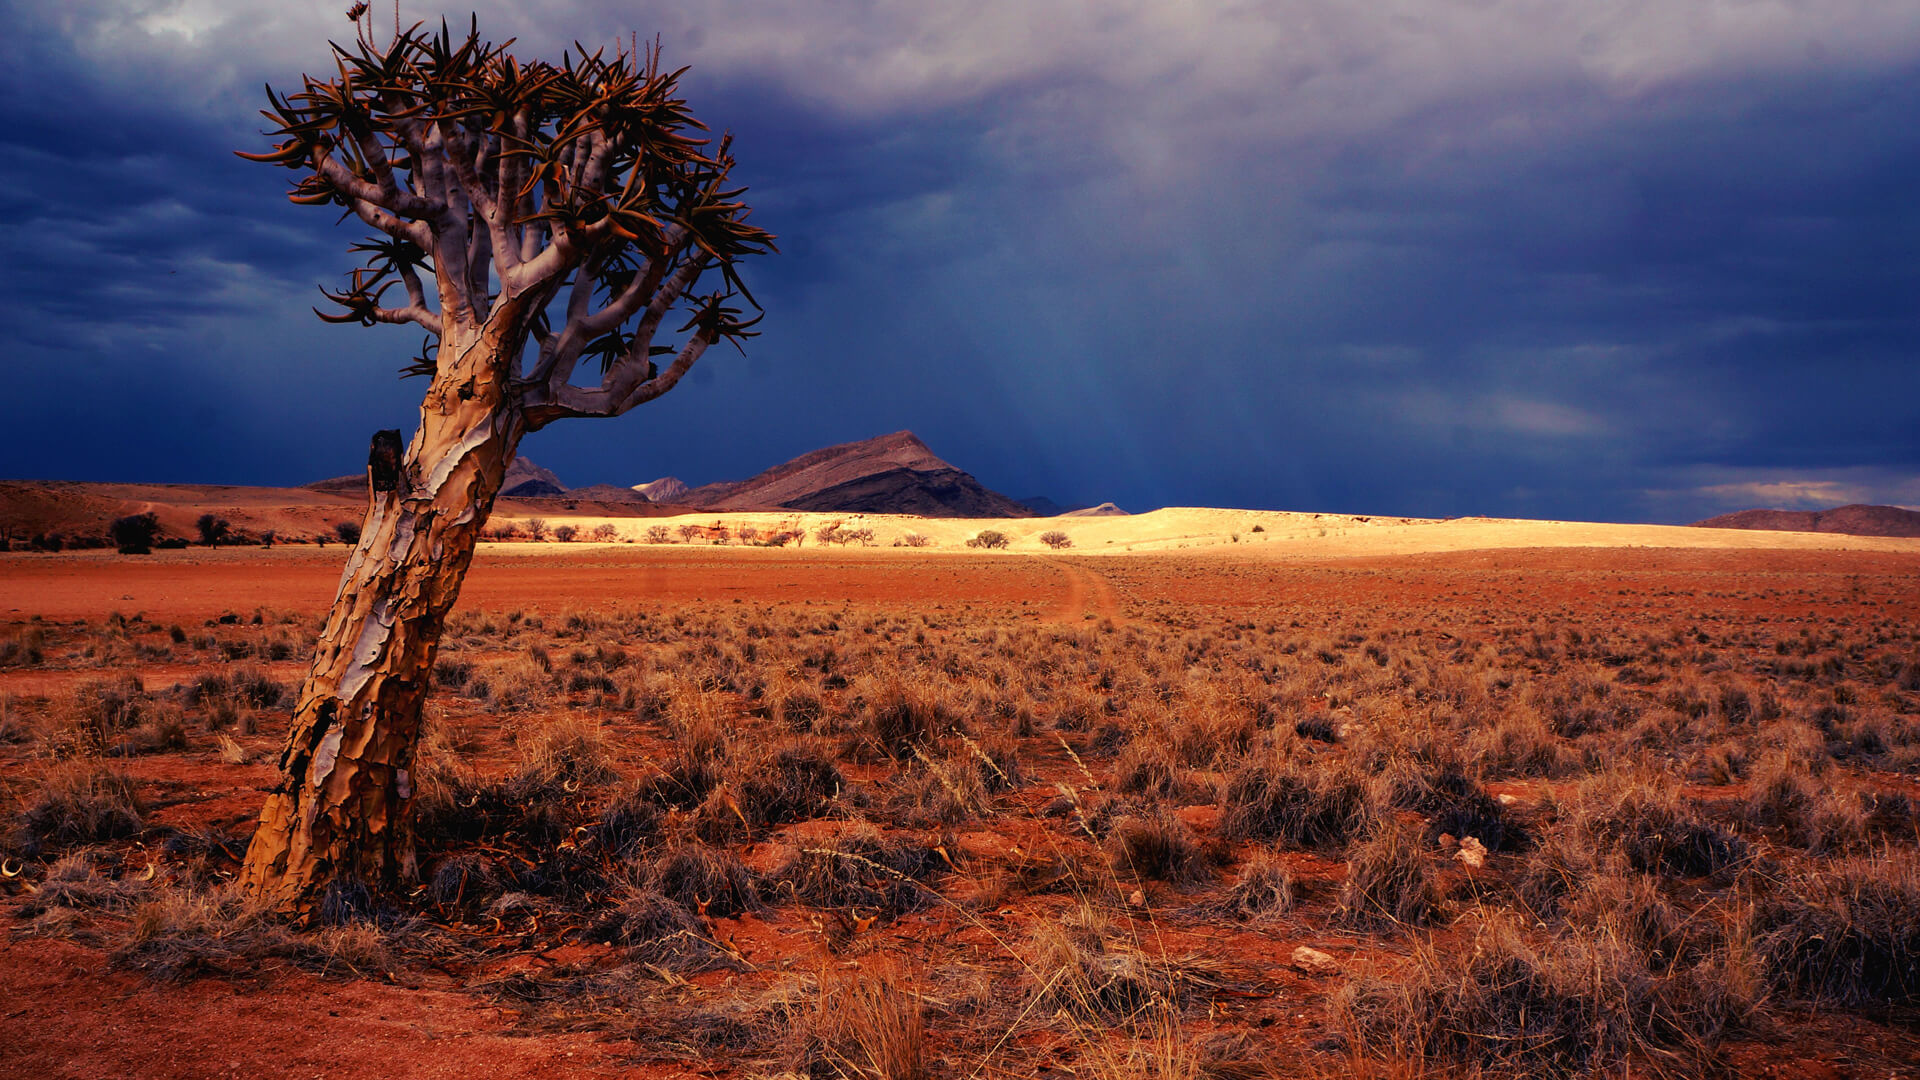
{"points": [[606, 532], [916, 540], [347, 531], [213, 530], [690, 533], [988, 538], [659, 534], [565, 533], [749, 534], [134, 534], [268, 537], [1056, 539], [537, 529]]}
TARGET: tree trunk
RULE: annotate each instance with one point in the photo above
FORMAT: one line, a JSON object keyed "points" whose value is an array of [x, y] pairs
{"points": [[341, 809]]}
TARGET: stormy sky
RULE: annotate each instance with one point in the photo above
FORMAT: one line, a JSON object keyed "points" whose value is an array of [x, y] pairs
{"points": [[1636, 261]]}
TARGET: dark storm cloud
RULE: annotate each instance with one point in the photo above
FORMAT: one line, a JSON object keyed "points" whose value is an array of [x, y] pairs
{"points": [[1635, 262]]}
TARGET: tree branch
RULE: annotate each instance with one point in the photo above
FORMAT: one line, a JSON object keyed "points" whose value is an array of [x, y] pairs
{"points": [[543, 404]]}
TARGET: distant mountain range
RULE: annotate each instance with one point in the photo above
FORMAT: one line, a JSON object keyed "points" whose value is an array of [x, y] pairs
{"points": [[1857, 519], [888, 474]]}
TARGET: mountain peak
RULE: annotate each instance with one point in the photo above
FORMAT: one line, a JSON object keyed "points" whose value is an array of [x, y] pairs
{"points": [[891, 473]]}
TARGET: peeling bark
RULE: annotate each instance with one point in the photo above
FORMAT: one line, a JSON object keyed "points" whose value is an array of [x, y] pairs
{"points": [[341, 807]]}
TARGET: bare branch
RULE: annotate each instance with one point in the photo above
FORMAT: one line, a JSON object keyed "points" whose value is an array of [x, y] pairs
{"points": [[544, 404], [415, 313], [417, 297], [386, 222]]}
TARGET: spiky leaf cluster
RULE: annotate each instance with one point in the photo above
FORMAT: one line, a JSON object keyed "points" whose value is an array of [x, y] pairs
{"points": [[511, 181]]}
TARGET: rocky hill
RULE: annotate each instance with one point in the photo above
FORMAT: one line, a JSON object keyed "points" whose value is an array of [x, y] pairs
{"points": [[1857, 519], [889, 474], [667, 489]]}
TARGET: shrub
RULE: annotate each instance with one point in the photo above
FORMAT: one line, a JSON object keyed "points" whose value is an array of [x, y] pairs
{"points": [[180, 934], [1455, 805], [989, 539], [1056, 539], [348, 532], [1814, 815], [537, 529], [75, 882], [943, 793], [659, 534], [606, 532], [572, 750], [212, 529], [916, 540], [134, 534], [565, 533]]}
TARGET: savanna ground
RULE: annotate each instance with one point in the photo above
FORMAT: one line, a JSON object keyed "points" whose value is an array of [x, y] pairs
{"points": [[894, 813]]}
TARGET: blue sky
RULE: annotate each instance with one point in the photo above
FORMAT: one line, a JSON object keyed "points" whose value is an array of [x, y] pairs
{"points": [[1640, 261]]}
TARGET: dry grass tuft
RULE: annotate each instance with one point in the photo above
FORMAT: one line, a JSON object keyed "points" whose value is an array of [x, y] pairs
{"points": [[862, 869], [1391, 880], [82, 801], [1572, 1006], [1273, 797], [703, 879], [866, 1025], [1155, 845], [1848, 934], [1263, 891], [1645, 818]]}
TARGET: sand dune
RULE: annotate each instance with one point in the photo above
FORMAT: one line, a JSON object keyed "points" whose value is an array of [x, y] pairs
{"points": [[1253, 533]]}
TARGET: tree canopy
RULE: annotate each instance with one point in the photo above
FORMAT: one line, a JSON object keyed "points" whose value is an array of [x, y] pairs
{"points": [[576, 204]]}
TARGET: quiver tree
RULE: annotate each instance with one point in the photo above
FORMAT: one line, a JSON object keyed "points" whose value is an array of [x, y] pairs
{"points": [[531, 216]]}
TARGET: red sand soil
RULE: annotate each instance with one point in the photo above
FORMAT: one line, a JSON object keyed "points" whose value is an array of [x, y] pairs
{"points": [[65, 1014], [67, 1018], [198, 583]]}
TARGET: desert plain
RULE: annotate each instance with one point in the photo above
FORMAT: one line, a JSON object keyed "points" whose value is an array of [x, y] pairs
{"points": [[1206, 793]]}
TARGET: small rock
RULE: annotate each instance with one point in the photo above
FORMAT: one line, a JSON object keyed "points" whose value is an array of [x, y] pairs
{"points": [[1506, 800], [1312, 961], [1473, 853], [1447, 842], [1138, 899]]}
